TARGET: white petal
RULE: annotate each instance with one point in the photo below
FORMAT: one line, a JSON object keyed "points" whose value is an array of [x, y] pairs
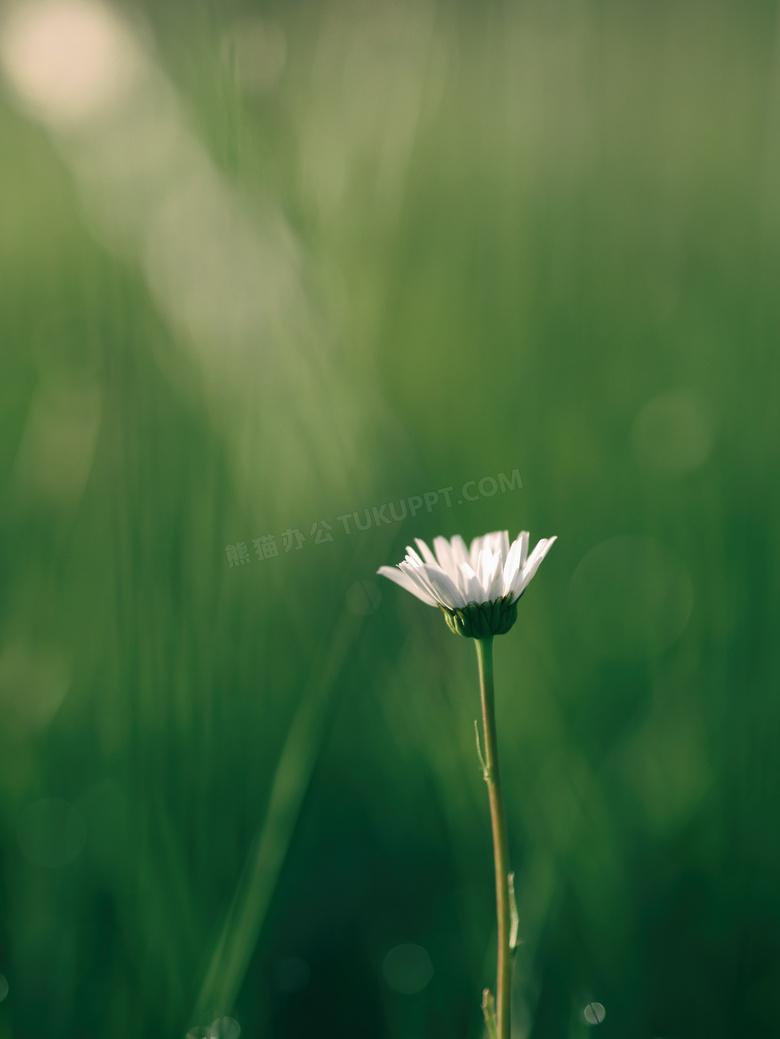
{"points": [[523, 539], [535, 558], [517, 585], [512, 566], [524, 577], [426, 553], [503, 545], [469, 583], [493, 541], [495, 586], [407, 583], [443, 587], [459, 551], [412, 557], [489, 562], [444, 555], [419, 576], [474, 553]]}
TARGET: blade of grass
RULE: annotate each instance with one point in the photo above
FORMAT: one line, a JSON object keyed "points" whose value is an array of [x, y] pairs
{"points": [[244, 919]]}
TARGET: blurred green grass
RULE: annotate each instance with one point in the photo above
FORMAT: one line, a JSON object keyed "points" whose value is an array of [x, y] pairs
{"points": [[495, 237]]}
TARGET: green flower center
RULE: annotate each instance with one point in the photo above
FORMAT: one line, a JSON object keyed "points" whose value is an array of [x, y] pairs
{"points": [[482, 620]]}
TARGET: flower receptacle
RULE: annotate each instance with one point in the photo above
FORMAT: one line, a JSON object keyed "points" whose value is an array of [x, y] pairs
{"points": [[482, 620]]}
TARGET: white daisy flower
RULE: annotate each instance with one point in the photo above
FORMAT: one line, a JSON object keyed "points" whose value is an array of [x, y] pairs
{"points": [[476, 587]]}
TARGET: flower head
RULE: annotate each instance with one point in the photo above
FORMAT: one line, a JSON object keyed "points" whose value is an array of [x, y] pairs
{"points": [[477, 587]]}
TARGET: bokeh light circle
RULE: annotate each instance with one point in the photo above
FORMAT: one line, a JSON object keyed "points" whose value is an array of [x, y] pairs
{"points": [[407, 968], [225, 1028], [594, 1013], [69, 60], [671, 434], [630, 597]]}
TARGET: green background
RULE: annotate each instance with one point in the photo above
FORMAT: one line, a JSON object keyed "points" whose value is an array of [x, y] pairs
{"points": [[332, 255]]}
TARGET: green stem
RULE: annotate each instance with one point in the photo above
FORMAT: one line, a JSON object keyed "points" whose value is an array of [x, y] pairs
{"points": [[500, 844]]}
